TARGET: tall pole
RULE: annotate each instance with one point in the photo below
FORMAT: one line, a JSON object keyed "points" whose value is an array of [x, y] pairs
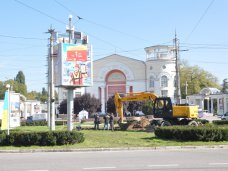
{"points": [[48, 89], [8, 125], [51, 86], [70, 92], [186, 91], [178, 91]]}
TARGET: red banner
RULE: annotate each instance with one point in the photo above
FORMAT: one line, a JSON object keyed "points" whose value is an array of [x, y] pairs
{"points": [[77, 55]]}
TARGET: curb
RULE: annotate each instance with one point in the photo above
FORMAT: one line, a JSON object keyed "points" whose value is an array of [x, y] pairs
{"points": [[163, 148]]}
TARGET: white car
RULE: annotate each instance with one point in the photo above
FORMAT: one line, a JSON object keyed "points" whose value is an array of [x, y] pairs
{"points": [[139, 113], [225, 116]]}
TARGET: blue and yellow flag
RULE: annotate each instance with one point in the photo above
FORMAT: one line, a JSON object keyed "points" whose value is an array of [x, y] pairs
{"points": [[5, 115]]}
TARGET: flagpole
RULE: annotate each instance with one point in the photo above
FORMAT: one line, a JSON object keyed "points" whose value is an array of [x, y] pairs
{"points": [[8, 127]]}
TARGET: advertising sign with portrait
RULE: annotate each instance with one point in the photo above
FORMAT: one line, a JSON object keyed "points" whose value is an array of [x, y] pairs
{"points": [[73, 65]]}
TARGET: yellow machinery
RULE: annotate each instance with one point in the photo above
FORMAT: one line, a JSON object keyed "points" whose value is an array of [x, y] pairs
{"points": [[163, 108]]}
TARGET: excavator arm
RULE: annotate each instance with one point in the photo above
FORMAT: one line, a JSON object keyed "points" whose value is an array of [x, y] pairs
{"points": [[141, 96]]}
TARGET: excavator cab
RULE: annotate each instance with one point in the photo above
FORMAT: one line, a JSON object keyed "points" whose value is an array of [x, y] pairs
{"points": [[163, 107]]}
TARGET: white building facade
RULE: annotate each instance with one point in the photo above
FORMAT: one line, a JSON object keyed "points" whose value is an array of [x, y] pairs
{"points": [[210, 100], [116, 73]]}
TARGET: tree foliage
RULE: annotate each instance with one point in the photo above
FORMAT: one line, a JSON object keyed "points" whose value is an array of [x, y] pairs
{"points": [[33, 95], [90, 104], [20, 77], [147, 107], [44, 95], [225, 86], [111, 108], [196, 79], [19, 88], [134, 106], [2, 89]]}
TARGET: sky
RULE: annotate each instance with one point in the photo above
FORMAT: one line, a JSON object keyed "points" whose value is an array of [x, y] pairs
{"points": [[123, 27]]}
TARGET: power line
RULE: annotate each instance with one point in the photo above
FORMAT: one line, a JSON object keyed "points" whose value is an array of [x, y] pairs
{"points": [[220, 44], [211, 62], [200, 19], [20, 37], [43, 13], [101, 25]]}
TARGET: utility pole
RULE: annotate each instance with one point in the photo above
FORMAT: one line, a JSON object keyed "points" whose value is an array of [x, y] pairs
{"points": [[178, 91], [186, 91], [70, 92], [51, 82]]}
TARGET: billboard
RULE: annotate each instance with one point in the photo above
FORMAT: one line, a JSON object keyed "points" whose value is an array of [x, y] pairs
{"points": [[73, 65], [14, 99]]}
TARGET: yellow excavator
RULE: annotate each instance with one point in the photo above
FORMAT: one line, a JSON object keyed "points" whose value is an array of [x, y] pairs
{"points": [[164, 112]]}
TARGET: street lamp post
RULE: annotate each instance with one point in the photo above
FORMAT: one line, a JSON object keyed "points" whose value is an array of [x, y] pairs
{"points": [[8, 127]]}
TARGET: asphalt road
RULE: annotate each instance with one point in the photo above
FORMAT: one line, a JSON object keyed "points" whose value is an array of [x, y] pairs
{"points": [[136, 160]]}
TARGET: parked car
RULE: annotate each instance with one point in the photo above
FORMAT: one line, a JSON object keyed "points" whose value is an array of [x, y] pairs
{"points": [[139, 113], [127, 113], [224, 116]]}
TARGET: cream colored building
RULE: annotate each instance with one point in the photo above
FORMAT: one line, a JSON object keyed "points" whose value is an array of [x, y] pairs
{"points": [[116, 73]]}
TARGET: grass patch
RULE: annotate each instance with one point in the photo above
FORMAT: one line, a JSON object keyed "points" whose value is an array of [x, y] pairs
{"points": [[109, 139]]}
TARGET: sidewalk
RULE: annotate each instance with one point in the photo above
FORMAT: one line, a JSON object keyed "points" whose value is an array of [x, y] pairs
{"points": [[168, 148]]}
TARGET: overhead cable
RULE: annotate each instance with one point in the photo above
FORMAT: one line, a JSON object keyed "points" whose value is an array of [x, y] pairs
{"points": [[200, 19], [41, 12]]}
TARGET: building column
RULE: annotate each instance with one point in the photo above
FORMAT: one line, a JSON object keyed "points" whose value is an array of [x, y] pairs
{"points": [[25, 110], [202, 104], [102, 99], [212, 106], [225, 103], [218, 110], [208, 105]]}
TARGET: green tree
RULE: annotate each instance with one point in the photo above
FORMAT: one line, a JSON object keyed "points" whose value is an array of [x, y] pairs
{"points": [[225, 86], [196, 79], [20, 88], [111, 108], [33, 95], [20, 77], [2, 89], [133, 106], [19, 85], [147, 107], [44, 95], [91, 104]]}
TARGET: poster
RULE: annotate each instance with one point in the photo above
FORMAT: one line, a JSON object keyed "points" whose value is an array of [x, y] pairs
{"points": [[14, 100], [73, 66]]}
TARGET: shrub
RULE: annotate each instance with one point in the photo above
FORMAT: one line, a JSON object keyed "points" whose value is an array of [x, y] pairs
{"points": [[186, 133], [42, 123], [47, 138], [34, 123], [63, 122], [203, 121], [220, 122]]}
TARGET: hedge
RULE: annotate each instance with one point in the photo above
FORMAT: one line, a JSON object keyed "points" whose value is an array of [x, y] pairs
{"points": [[48, 138], [220, 122], [42, 123], [187, 133]]}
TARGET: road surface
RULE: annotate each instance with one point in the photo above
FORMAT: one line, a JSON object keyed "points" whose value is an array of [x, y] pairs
{"points": [[136, 160]]}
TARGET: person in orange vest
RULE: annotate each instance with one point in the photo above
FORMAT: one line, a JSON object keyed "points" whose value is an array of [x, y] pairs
{"points": [[76, 76]]}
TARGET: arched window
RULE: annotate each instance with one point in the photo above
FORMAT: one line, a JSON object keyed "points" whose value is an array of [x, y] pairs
{"points": [[151, 84], [164, 81]]}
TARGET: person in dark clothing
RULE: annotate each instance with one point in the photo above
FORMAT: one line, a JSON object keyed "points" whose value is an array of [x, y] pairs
{"points": [[96, 121], [111, 122]]}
